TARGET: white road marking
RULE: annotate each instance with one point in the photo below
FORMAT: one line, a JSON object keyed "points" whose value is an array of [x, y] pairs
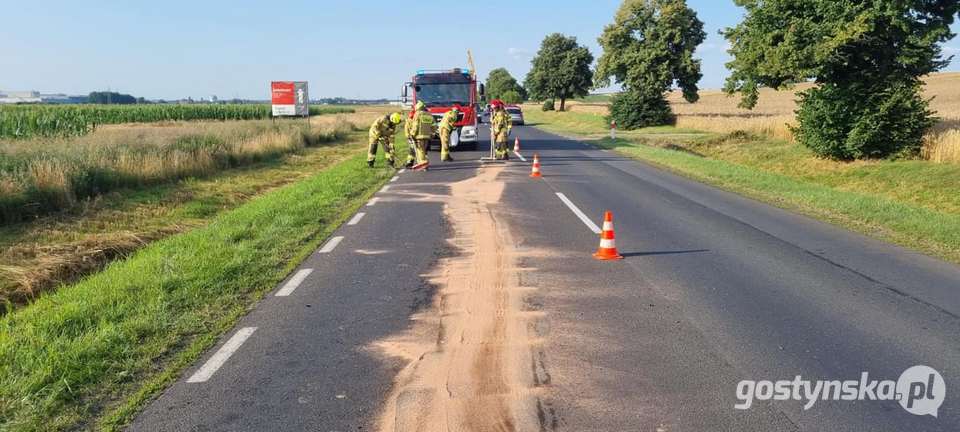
{"points": [[385, 188], [356, 218], [402, 171], [395, 178], [294, 282], [586, 221], [222, 355], [520, 156], [332, 244], [373, 201]]}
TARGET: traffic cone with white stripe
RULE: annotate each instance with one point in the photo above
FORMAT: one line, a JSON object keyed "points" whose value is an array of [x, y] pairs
{"points": [[608, 243], [516, 145], [536, 166]]}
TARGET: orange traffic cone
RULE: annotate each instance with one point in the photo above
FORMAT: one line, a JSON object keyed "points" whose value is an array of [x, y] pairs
{"points": [[536, 166], [516, 145], [608, 243]]}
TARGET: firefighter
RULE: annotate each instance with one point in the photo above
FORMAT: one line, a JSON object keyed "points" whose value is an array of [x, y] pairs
{"points": [[424, 130], [500, 125], [410, 130], [381, 132], [447, 126]]}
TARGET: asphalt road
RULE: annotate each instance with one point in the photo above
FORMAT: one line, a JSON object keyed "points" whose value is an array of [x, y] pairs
{"points": [[714, 289]]}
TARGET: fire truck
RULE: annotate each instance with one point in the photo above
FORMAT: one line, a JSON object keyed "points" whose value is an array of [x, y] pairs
{"points": [[441, 90]]}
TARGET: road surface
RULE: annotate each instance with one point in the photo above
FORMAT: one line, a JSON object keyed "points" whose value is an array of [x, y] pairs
{"points": [[466, 298]]}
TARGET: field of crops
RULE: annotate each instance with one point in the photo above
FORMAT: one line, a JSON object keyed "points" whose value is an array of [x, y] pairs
{"points": [[25, 121], [773, 116]]}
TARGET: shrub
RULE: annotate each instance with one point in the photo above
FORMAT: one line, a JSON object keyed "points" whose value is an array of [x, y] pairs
{"points": [[548, 105], [634, 109], [863, 120]]}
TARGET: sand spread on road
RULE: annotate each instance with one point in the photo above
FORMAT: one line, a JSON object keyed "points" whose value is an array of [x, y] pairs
{"points": [[468, 354]]}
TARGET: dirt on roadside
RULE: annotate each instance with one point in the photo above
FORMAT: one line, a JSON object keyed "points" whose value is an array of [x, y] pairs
{"points": [[468, 354]]}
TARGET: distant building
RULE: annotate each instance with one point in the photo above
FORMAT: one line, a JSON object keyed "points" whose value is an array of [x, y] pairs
{"points": [[15, 97], [12, 97]]}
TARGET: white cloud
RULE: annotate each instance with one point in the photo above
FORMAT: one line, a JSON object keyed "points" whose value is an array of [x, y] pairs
{"points": [[519, 53]]}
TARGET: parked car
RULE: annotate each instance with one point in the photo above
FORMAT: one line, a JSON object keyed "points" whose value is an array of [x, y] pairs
{"points": [[516, 114]]}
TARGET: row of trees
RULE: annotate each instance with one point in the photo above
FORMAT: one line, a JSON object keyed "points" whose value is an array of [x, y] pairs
{"points": [[865, 57], [113, 98]]}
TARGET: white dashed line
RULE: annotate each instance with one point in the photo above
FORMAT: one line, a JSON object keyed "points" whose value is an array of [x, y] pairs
{"points": [[373, 202], [520, 156], [332, 244], [395, 178], [402, 171], [294, 282], [356, 218], [222, 355], [586, 221], [385, 188]]}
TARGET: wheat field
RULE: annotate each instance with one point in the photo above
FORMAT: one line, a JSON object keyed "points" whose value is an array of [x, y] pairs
{"points": [[718, 112]]}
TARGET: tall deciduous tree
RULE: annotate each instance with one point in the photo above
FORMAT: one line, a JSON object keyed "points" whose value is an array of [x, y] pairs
{"points": [[500, 82], [866, 58], [648, 49], [561, 70]]}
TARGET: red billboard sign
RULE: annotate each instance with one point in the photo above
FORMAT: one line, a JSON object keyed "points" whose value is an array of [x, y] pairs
{"points": [[289, 98], [282, 93]]}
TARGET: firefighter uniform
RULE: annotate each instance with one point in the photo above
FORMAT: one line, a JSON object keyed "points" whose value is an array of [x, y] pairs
{"points": [[381, 132], [424, 124], [410, 130], [447, 126], [500, 124]]}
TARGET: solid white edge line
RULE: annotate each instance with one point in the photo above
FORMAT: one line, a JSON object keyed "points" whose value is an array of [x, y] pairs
{"points": [[222, 355], [331, 244], [520, 156], [294, 282], [373, 201], [356, 218], [586, 221]]}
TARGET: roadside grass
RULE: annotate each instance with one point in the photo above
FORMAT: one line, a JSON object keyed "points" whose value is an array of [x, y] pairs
{"points": [[91, 354], [45, 175], [913, 203], [59, 248]]}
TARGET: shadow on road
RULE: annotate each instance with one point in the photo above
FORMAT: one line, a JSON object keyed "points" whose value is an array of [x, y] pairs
{"points": [[679, 252]]}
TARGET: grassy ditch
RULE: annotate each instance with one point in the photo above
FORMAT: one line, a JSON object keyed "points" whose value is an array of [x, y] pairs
{"points": [[90, 354], [59, 248], [914, 203]]}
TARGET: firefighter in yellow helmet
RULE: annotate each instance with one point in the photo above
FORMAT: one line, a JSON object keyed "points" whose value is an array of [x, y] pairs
{"points": [[500, 125], [381, 132], [425, 128], [410, 131], [448, 124]]}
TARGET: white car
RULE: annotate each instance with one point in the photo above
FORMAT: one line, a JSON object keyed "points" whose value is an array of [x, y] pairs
{"points": [[516, 114]]}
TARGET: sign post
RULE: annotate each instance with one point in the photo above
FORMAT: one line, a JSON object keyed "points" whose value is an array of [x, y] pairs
{"points": [[290, 98]]}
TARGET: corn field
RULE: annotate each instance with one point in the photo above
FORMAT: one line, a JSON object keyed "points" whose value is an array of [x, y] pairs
{"points": [[25, 121]]}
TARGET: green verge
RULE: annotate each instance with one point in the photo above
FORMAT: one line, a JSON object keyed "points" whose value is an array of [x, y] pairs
{"points": [[90, 355], [921, 220]]}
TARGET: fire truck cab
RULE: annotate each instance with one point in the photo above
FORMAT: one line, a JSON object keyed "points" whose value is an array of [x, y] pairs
{"points": [[441, 91]]}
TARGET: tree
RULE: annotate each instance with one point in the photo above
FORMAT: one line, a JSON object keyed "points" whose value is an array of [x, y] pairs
{"points": [[511, 97], [560, 70], [649, 48], [110, 98], [866, 58], [500, 82]]}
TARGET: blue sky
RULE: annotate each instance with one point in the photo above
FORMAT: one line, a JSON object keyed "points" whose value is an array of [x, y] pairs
{"points": [[173, 49]]}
